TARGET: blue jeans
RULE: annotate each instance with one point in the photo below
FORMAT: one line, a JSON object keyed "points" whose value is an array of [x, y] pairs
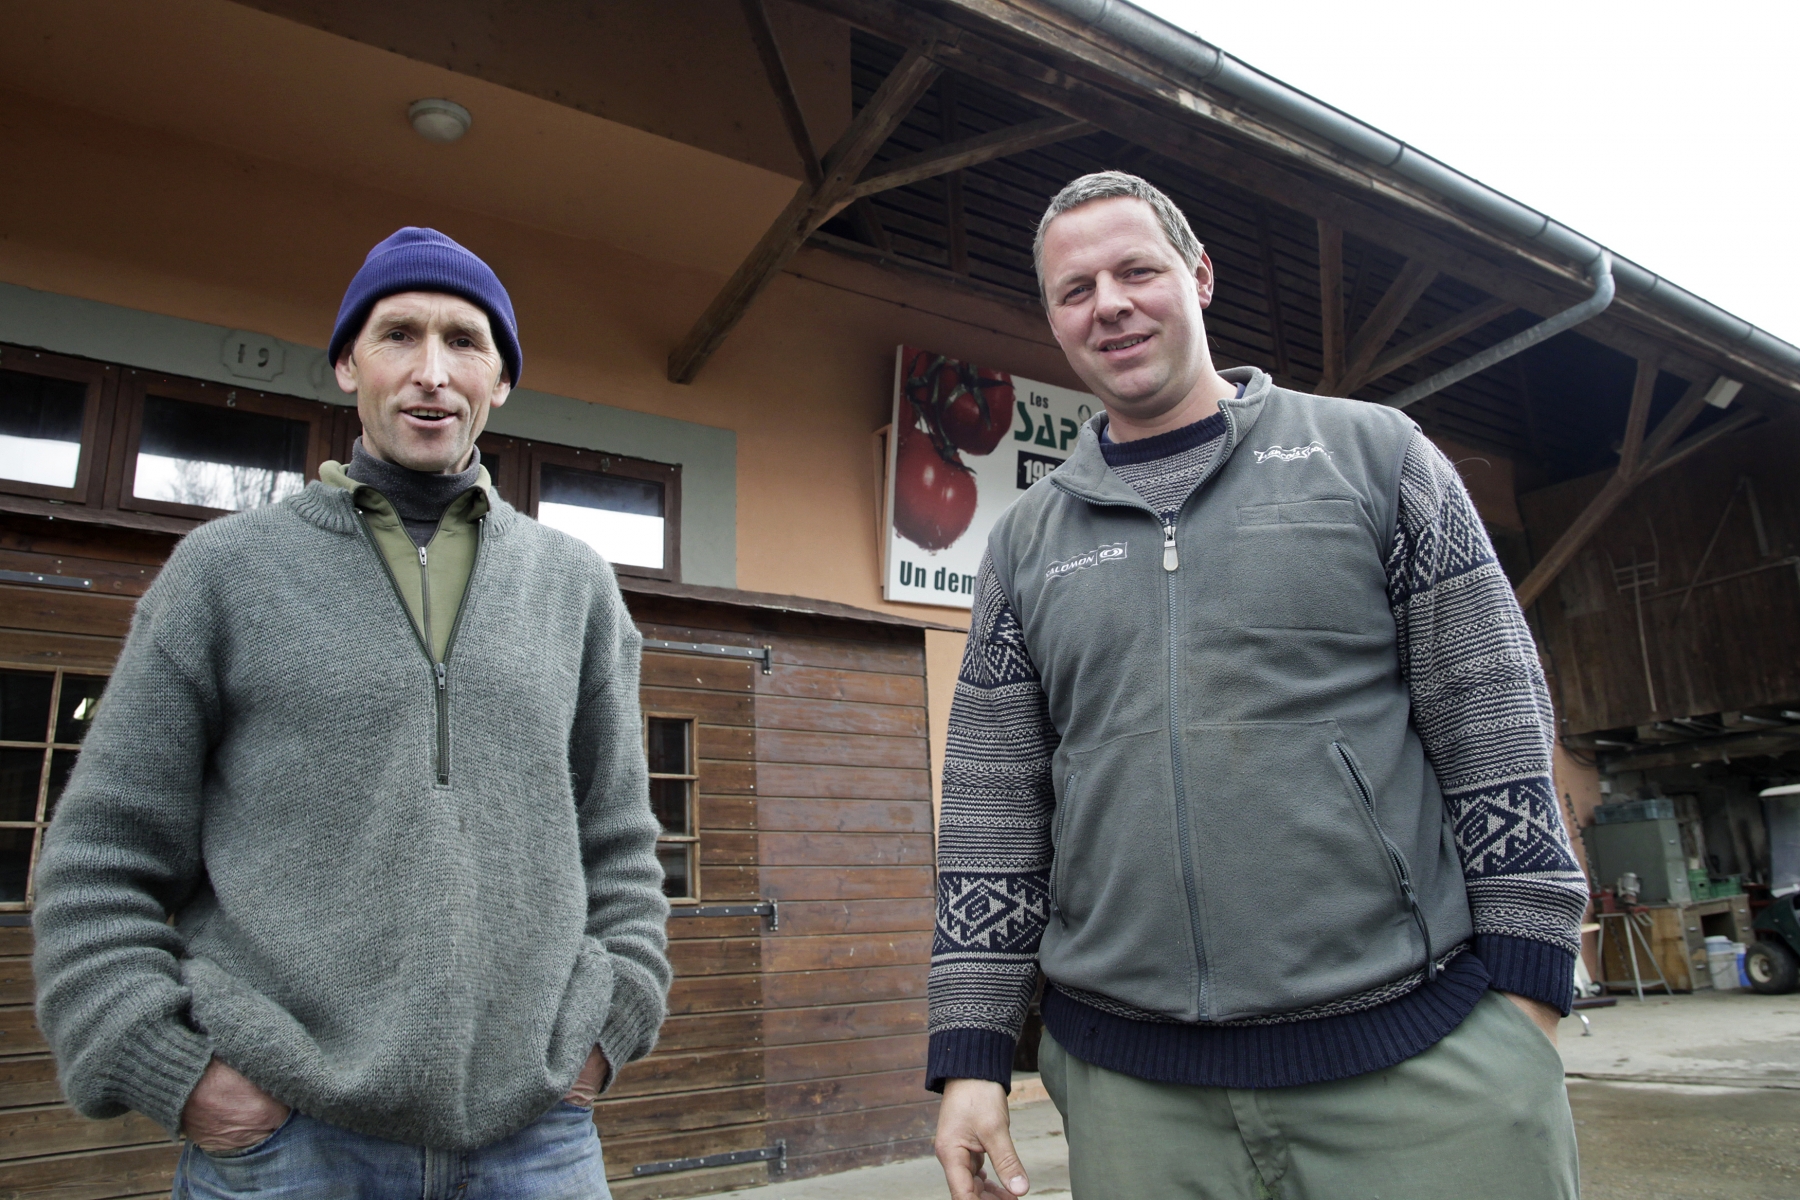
{"points": [[556, 1157]]}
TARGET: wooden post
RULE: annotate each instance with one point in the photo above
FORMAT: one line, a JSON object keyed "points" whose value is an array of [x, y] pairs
{"points": [[1642, 389], [1272, 294], [1331, 302]]}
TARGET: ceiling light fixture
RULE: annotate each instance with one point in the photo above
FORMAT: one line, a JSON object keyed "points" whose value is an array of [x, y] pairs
{"points": [[439, 120]]}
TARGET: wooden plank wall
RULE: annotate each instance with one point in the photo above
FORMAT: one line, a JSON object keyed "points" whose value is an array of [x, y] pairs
{"points": [[814, 791], [831, 1007], [46, 1148], [1735, 646]]}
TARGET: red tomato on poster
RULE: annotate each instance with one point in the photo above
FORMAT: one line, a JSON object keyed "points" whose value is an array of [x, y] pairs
{"points": [[934, 499]]}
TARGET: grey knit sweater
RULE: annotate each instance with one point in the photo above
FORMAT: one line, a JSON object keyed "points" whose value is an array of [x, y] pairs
{"points": [[422, 961]]}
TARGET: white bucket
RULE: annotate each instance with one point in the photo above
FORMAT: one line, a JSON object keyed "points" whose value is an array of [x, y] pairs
{"points": [[1722, 962]]}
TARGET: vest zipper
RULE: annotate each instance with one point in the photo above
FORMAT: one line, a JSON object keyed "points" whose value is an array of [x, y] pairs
{"points": [[1171, 563], [1395, 858]]}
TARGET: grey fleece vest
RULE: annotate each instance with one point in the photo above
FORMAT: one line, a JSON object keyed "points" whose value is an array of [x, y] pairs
{"points": [[1245, 820]]}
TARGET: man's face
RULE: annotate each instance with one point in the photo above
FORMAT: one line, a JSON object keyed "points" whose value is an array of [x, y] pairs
{"points": [[1124, 307], [425, 371]]}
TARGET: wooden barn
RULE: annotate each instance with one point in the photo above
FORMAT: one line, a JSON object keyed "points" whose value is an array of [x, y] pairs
{"points": [[717, 220]]}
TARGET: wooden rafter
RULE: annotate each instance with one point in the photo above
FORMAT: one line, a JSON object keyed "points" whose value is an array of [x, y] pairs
{"points": [[1389, 311], [1638, 460], [1435, 338], [810, 208], [969, 152], [1331, 301], [782, 84]]}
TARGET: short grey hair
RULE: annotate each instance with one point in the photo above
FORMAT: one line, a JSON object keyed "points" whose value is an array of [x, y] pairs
{"points": [[1105, 185]]}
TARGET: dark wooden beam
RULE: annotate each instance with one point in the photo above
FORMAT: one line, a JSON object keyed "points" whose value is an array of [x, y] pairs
{"points": [[1435, 338], [1389, 311], [868, 225], [1688, 447], [1272, 296], [810, 208], [1331, 301], [1643, 388], [971, 152], [1528, 407], [782, 84], [1638, 461]]}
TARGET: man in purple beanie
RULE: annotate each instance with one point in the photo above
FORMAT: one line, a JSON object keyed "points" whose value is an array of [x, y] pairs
{"points": [[355, 884]]}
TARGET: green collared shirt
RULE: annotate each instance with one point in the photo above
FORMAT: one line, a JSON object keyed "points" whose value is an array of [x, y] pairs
{"points": [[431, 579]]}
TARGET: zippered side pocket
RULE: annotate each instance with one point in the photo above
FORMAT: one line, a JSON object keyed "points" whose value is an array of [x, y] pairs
{"points": [[1057, 824], [1402, 873]]}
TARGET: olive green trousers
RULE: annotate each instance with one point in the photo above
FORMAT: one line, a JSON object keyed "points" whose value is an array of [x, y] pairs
{"points": [[1482, 1115]]}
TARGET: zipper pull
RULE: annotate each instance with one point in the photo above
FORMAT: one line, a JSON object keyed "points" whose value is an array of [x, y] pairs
{"points": [[1171, 559], [422, 556], [1412, 902], [439, 667]]}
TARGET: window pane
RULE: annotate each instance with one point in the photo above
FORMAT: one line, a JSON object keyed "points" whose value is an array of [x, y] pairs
{"points": [[75, 709], [669, 800], [668, 746], [61, 763], [676, 880], [495, 463], [19, 774], [621, 518], [15, 863], [40, 428], [24, 705], [218, 457]]}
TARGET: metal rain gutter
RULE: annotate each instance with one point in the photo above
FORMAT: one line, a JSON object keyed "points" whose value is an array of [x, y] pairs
{"points": [[1600, 271], [1212, 66]]}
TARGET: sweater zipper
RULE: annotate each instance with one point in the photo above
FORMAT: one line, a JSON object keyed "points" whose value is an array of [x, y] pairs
{"points": [[439, 667], [1395, 858], [1171, 566]]}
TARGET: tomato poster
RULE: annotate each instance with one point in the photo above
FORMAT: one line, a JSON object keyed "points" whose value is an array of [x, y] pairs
{"points": [[966, 442]]}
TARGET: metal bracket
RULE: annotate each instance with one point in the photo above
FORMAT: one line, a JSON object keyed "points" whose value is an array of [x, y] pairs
{"points": [[765, 908], [766, 655], [776, 1154], [56, 581]]}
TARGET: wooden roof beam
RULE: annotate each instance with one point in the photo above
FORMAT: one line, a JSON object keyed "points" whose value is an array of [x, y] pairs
{"points": [[1638, 461], [1435, 338], [782, 84], [1408, 286], [1331, 301], [970, 152], [1056, 69], [810, 208]]}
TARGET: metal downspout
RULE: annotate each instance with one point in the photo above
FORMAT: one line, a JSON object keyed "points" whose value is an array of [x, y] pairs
{"points": [[1212, 66], [1600, 271]]}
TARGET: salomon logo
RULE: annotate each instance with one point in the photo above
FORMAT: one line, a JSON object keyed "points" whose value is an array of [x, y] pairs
{"points": [[1091, 558], [1298, 452]]}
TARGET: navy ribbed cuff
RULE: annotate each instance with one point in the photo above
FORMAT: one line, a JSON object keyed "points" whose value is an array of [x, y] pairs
{"points": [[969, 1054], [1533, 969]]}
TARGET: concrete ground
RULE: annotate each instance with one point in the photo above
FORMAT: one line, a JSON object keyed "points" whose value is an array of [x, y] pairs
{"points": [[1675, 1098]]}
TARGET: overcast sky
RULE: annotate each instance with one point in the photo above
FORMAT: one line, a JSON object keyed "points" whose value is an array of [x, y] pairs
{"points": [[1668, 133]]}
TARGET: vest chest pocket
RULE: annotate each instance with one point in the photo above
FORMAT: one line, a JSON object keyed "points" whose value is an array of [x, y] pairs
{"points": [[1305, 563]]}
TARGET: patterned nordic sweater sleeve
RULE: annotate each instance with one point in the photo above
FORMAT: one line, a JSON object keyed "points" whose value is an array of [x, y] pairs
{"points": [[993, 848], [1481, 709], [1483, 712]]}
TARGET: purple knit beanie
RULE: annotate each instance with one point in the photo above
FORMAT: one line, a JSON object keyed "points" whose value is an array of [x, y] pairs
{"points": [[424, 260]]}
